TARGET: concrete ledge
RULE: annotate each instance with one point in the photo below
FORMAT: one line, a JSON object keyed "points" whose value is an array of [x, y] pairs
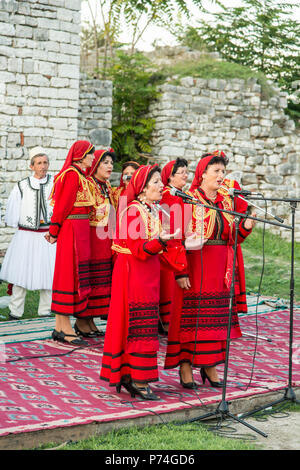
{"points": [[31, 440]]}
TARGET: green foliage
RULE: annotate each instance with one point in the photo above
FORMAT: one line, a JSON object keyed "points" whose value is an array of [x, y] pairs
{"points": [[260, 35], [208, 67], [133, 92]]}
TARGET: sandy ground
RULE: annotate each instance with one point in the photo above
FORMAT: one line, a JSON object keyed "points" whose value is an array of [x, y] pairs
{"points": [[282, 429]]}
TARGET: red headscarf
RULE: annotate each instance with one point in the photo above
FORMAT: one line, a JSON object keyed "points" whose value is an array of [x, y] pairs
{"points": [[77, 152], [201, 167], [138, 181], [167, 171], [98, 155]]}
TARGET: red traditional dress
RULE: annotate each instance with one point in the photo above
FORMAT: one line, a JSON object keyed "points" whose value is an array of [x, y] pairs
{"points": [[174, 206], [198, 327], [102, 218], [72, 200], [131, 339]]}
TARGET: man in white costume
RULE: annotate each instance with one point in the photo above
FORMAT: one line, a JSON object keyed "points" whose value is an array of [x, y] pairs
{"points": [[29, 260]]}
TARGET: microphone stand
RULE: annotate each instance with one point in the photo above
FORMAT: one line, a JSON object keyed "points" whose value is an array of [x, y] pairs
{"points": [[266, 213], [223, 407], [289, 394]]}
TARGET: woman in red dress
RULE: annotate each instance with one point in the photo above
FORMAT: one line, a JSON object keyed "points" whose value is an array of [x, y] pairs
{"points": [[102, 217], [131, 339], [128, 169], [72, 200], [174, 175], [198, 327]]}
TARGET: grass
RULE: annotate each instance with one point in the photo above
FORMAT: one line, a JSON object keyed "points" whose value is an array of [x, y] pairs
{"points": [[192, 436], [276, 274], [208, 68]]}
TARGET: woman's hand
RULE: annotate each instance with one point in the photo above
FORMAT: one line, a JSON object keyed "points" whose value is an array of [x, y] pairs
{"points": [[50, 239], [249, 224], [184, 282], [193, 243], [165, 236]]}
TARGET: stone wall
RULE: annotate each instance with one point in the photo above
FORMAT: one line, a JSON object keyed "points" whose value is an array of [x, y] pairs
{"points": [[260, 140], [39, 86], [95, 111]]}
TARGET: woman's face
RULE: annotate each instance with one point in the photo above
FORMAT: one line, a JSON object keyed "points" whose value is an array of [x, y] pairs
{"points": [[153, 191], [213, 177], [179, 179], [87, 160], [129, 170], [105, 168]]}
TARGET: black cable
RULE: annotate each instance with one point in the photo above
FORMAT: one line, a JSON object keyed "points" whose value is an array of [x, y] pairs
{"points": [[23, 358], [256, 309]]}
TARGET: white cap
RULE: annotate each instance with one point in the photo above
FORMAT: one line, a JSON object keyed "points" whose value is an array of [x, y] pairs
{"points": [[36, 151]]}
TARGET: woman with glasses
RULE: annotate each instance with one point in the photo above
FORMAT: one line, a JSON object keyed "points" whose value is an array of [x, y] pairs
{"points": [[199, 321]]}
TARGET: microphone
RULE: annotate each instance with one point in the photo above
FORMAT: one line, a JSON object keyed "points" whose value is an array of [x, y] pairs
{"points": [[237, 192], [126, 177], [158, 206], [183, 195], [241, 193]]}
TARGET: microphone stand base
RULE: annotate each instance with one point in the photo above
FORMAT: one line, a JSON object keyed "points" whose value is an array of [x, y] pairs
{"points": [[223, 412], [289, 395]]}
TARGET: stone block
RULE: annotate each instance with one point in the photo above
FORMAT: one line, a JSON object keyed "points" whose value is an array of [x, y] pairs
{"points": [[100, 136], [240, 122], [37, 80], [172, 151], [3, 63], [7, 29], [287, 169], [273, 178], [276, 131], [58, 123], [60, 36], [68, 71], [24, 31]]}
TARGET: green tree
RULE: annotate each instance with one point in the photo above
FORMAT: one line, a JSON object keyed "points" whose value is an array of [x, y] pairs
{"points": [[261, 34], [133, 92]]}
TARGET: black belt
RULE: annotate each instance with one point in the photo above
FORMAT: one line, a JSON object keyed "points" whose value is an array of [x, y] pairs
{"points": [[78, 216], [216, 242]]}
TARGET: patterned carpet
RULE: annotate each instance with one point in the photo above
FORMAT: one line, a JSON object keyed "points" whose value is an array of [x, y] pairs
{"points": [[31, 330], [46, 385]]}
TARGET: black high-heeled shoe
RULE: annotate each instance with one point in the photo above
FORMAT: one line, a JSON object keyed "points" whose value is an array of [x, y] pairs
{"points": [[126, 385], [204, 376], [60, 336], [98, 332], [89, 334], [190, 385], [144, 392]]}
